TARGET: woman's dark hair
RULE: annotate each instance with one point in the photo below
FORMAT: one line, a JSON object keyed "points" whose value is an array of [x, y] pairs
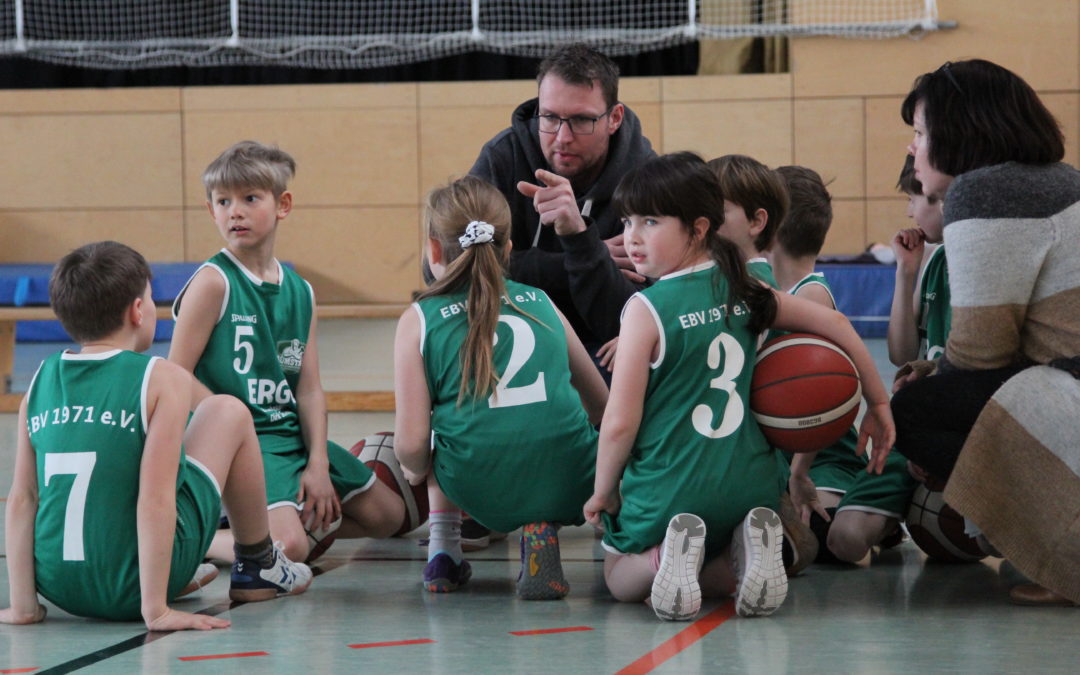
{"points": [[980, 114], [682, 186]]}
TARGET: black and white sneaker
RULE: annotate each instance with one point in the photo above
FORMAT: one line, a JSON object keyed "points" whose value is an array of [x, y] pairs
{"points": [[252, 583]]}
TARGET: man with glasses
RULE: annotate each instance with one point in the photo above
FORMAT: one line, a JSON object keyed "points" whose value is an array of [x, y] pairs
{"points": [[558, 165]]}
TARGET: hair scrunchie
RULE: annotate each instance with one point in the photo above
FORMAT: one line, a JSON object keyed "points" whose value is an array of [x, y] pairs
{"points": [[477, 232]]}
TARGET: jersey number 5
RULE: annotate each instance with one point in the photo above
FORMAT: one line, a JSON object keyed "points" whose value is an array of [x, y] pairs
{"points": [[82, 465], [524, 344], [734, 411]]}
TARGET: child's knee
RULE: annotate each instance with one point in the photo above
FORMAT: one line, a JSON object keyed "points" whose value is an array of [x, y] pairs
{"points": [[222, 405], [846, 544], [295, 545], [378, 513]]}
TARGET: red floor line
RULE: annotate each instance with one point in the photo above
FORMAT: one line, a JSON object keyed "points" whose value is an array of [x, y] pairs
{"points": [[680, 641], [399, 643], [4, 671], [548, 631], [222, 656]]}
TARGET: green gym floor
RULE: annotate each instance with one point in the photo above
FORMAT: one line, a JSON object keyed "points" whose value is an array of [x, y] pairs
{"points": [[367, 612]]}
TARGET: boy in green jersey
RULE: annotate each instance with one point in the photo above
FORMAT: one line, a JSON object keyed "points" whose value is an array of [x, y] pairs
{"points": [[116, 493], [245, 325], [849, 509]]}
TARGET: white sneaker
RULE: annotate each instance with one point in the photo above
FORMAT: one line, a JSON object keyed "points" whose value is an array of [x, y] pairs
{"points": [[756, 552], [676, 593], [204, 574], [251, 583]]}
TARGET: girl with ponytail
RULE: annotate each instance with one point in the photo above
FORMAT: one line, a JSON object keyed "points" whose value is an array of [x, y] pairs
{"points": [[496, 397], [685, 482]]}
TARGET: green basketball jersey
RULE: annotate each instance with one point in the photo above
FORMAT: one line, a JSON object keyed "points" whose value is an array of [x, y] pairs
{"points": [[257, 347], [526, 451], [935, 311], [760, 269], [698, 449], [87, 419]]}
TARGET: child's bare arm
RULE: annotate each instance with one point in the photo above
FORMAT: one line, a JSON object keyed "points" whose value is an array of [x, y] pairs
{"points": [[19, 533], [412, 417], [168, 399], [903, 334], [622, 417], [584, 375], [316, 491], [195, 321]]}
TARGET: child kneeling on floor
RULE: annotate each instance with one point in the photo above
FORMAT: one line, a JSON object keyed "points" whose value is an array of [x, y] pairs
{"points": [[699, 483]]}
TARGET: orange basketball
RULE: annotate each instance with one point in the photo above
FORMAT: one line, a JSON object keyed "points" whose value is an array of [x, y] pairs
{"points": [[805, 392]]}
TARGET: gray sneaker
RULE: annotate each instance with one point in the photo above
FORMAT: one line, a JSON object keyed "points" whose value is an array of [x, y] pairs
{"points": [[676, 593], [760, 581]]}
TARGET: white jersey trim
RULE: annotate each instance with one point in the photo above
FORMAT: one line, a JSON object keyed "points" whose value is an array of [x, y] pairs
{"points": [[93, 356], [224, 300], [252, 277], [690, 270], [662, 349], [423, 326], [202, 467], [813, 279], [869, 509], [142, 393]]}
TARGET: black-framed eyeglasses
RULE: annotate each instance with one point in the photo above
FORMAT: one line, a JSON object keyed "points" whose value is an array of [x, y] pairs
{"points": [[946, 68], [580, 125]]}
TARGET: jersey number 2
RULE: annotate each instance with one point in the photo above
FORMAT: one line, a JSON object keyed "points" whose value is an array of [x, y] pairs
{"points": [[82, 465], [504, 395], [734, 411]]}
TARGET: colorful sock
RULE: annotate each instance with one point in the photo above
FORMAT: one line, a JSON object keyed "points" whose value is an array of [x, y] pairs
{"points": [[445, 529], [261, 552]]}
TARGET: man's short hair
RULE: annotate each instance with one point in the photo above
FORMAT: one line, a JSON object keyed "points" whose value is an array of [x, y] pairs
{"points": [[250, 165], [752, 185], [91, 287], [581, 65], [809, 212]]}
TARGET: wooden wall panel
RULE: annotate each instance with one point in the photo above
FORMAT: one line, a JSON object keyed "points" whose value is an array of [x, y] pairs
{"points": [[112, 160], [848, 231], [45, 236], [761, 129], [887, 138], [829, 138], [885, 217]]}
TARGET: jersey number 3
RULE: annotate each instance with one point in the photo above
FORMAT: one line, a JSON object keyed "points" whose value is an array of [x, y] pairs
{"points": [[734, 411], [82, 465]]}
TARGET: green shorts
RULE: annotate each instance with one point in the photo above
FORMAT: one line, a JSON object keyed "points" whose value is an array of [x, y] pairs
{"points": [[887, 494], [348, 475], [836, 467], [198, 510]]}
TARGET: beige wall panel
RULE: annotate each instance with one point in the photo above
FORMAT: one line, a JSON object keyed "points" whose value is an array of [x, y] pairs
{"points": [[45, 236], [1039, 42], [503, 93], [640, 89], [761, 129], [300, 97], [885, 217], [887, 138], [451, 138], [848, 231], [651, 117], [80, 161], [726, 87], [1066, 109], [343, 157], [348, 254], [122, 100], [829, 138]]}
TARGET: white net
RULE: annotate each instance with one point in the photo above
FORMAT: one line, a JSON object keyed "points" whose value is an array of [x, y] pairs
{"points": [[374, 33]]}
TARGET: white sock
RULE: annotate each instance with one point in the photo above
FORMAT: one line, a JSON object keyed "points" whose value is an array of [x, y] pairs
{"points": [[445, 527]]}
